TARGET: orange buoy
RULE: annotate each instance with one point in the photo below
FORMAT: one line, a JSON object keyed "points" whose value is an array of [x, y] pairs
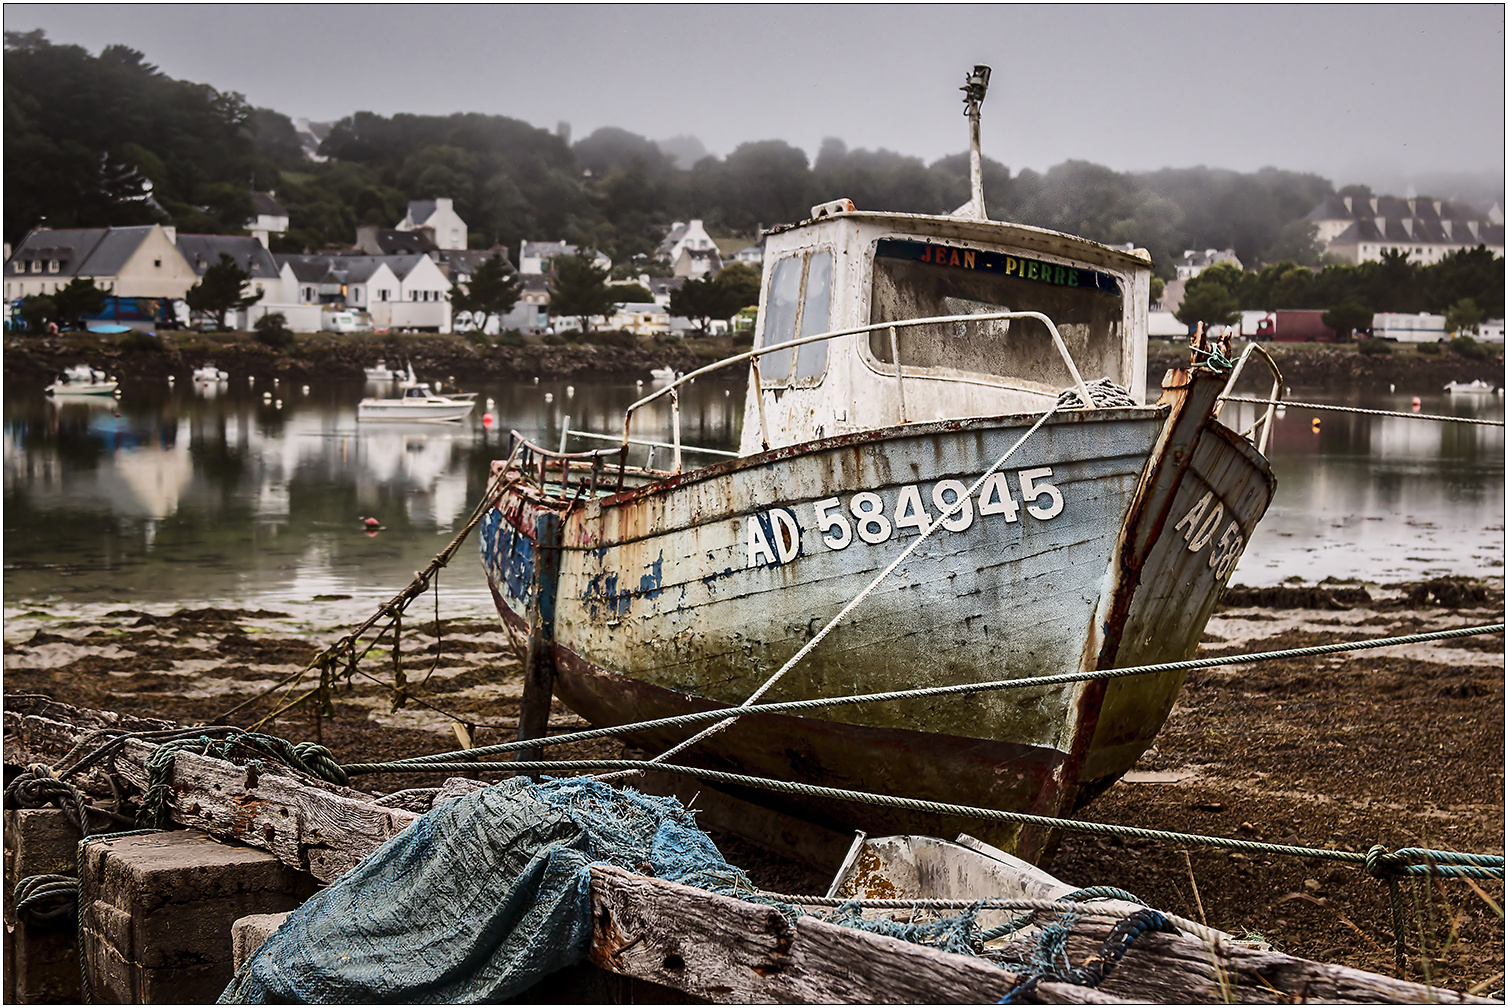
{"points": [[1315, 424]]}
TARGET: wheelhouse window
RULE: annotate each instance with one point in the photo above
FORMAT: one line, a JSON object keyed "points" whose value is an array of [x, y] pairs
{"points": [[914, 279], [799, 302]]}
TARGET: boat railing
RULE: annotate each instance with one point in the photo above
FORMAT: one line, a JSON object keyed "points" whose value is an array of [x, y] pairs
{"points": [[1265, 420], [535, 460], [753, 356]]}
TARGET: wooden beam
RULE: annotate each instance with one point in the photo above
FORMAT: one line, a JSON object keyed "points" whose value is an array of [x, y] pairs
{"points": [[711, 946]]}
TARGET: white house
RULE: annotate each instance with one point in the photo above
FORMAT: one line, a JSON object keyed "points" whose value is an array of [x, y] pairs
{"points": [[438, 216], [683, 235], [268, 278], [421, 300], [534, 257], [268, 217], [141, 261], [1360, 229], [697, 263], [1195, 262]]}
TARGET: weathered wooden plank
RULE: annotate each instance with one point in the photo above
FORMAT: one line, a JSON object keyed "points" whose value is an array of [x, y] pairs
{"points": [[734, 952], [712, 946]]}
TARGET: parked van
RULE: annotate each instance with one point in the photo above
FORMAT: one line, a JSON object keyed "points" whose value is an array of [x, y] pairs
{"points": [[346, 322]]}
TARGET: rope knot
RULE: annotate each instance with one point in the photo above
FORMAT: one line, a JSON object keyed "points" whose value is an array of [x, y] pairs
{"points": [[1382, 864]]}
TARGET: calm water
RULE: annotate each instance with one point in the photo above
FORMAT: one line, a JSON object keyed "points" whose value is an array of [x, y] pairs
{"points": [[178, 496]]}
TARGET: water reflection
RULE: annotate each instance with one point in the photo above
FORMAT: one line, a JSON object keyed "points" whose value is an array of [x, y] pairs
{"points": [[215, 493]]}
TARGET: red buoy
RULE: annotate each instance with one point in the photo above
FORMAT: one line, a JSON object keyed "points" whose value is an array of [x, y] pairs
{"points": [[370, 523], [487, 420]]}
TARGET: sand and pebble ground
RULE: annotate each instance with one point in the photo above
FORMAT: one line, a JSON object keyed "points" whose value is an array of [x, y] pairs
{"points": [[1401, 746]]}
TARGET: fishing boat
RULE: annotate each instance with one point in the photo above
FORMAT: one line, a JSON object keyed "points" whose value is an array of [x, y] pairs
{"points": [[912, 377], [418, 402], [81, 379], [1477, 387]]}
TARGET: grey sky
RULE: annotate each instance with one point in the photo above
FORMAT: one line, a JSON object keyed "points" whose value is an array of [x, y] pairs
{"points": [[1354, 92]]}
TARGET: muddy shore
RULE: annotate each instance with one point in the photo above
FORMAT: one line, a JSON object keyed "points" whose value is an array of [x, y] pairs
{"points": [[1400, 746], [37, 360]]}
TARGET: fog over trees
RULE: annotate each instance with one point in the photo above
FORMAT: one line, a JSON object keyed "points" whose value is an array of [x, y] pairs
{"points": [[109, 139]]}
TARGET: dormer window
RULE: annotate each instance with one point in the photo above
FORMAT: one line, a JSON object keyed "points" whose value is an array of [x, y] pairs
{"points": [[36, 265], [52, 265]]}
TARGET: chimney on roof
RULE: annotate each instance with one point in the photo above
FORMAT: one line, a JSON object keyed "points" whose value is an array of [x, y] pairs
{"points": [[1347, 201], [171, 231]]}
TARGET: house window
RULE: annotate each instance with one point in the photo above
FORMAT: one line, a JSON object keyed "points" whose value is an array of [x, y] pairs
{"points": [[52, 265], [36, 265], [156, 262], [382, 294]]}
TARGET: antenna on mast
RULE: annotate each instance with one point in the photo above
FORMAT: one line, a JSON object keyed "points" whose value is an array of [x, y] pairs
{"points": [[974, 87]]}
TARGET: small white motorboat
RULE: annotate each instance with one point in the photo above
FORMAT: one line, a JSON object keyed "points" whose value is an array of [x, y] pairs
{"points": [[664, 374], [81, 379], [418, 402], [210, 373], [1477, 387]]}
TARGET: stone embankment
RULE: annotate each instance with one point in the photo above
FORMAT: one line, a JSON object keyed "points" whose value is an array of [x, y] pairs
{"points": [[326, 356], [323, 355]]}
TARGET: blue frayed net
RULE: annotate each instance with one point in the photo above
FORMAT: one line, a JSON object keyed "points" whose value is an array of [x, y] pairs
{"points": [[487, 894]]}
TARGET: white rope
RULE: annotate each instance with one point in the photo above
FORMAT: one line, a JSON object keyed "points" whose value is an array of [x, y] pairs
{"points": [[1363, 411]]}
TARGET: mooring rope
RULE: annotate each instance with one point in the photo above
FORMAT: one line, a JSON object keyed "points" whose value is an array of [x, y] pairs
{"points": [[392, 610], [1377, 861], [1366, 412], [960, 689]]}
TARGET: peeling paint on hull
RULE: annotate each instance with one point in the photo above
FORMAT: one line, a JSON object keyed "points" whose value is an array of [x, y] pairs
{"points": [[667, 603]]}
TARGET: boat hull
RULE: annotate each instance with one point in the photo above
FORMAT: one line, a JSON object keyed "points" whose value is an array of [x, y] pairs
{"points": [[380, 410], [689, 593]]}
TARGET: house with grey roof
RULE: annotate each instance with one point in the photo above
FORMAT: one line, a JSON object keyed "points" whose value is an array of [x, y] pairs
{"points": [[141, 261], [535, 256], [268, 217], [437, 216], [1360, 229], [697, 263], [374, 240], [1195, 262], [683, 235]]}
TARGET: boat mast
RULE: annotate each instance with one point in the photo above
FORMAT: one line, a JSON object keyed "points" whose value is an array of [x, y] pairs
{"points": [[973, 90]]}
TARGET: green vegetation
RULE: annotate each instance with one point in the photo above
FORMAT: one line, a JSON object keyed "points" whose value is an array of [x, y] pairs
{"points": [[492, 290], [701, 301], [272, 331], [578, 287], [220, 291], [1466, 286]]}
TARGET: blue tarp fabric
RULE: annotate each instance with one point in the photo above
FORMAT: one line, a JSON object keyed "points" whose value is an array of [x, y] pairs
{"points": [[478, 899]]}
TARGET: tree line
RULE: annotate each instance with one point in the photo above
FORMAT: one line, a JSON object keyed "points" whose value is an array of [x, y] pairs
{"points": [[110, 139], [1465, 286]]}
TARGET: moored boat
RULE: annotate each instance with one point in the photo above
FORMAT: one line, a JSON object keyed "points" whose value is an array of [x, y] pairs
{"points": [[1476, 387], [912, 376], [418, 402], [81, 379], [210, 373]]}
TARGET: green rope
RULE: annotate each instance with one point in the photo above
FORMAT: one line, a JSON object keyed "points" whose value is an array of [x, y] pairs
{"points": [[1407, 861], [930, 691], [1077, 896], [306, 757]]}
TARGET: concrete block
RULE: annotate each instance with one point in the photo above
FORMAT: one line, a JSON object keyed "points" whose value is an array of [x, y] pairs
{"points": [[41, 959], [158, 910], [248, 934]]}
